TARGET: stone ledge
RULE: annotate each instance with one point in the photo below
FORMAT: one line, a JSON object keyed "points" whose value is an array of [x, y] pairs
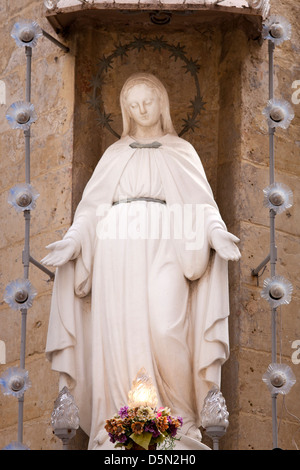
{"points": [[92, 4], [240, 6], [67, 11]]}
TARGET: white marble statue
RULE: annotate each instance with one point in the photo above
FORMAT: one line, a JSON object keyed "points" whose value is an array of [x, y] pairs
{"points": [[141, 277]]}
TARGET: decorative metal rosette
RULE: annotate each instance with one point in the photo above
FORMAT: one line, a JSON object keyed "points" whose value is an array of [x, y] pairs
{"points": [[279, 113], [140, 43], [278, 197], [21, 115], [23, 197], [279, 378], [19, 294], [277, 29], [277, 291], [51, 4], [26, 33], [15, 381], [15, 445]]}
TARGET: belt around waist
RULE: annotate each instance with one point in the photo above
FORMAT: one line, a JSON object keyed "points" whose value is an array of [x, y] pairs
{"points": [[134, 199]]}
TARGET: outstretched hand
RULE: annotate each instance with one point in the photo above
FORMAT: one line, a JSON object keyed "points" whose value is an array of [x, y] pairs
{"points": [[225, 244], [61, 252]]}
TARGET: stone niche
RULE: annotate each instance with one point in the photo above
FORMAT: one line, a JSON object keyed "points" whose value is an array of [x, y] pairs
{"points": [[198, 55]]}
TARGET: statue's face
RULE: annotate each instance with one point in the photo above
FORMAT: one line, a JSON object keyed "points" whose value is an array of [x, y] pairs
{"points": [[144, 105]]}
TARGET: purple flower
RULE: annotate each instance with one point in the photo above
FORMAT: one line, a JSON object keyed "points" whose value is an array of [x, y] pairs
{"points": [[122, 438], [112, 437], [172, 430], [151, 427], [180, 420], [123, 412]]}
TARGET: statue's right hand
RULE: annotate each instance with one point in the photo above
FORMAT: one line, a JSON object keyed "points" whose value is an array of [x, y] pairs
{"points": [[61, 252]]}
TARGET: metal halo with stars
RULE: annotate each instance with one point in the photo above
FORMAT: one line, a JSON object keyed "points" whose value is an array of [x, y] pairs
{"points": [[140, 43]]}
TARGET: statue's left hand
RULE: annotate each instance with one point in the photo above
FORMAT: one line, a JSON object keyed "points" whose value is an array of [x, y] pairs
{"points": [[225, 244], [60, 252]]}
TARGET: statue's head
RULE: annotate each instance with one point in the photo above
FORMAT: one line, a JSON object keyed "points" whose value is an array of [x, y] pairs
{"points": [[147, 85]]}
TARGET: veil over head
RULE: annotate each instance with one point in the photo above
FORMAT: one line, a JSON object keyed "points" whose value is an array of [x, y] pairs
{"points": [[152, 82]]}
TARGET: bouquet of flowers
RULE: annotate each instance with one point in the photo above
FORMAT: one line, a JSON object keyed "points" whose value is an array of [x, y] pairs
{"points": [[144, 427]]}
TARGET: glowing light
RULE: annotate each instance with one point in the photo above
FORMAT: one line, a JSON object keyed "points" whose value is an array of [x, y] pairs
{"points": [[143, 392]]}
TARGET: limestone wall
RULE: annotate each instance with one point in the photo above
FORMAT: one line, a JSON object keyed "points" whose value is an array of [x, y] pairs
{"points": [[232, 140], [51, 176]]}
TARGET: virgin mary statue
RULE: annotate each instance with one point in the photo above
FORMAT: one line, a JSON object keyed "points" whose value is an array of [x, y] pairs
{"points": [[141, 278]]}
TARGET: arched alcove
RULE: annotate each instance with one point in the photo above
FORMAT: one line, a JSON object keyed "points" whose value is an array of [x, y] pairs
{"points": [[200, 56]]}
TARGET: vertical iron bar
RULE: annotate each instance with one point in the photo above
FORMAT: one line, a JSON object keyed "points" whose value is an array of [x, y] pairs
{"points": [[273, 250], [28, 53], [26, 252]]}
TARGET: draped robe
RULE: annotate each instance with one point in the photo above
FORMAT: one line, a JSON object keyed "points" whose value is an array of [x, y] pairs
{"points": [[123, 303]]}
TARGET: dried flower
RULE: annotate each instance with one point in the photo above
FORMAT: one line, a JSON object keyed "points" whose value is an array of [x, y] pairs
{"points": [[279, 378], [144, 426], [137, 427], [26, 33], [15, 381], [21, 115]]}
